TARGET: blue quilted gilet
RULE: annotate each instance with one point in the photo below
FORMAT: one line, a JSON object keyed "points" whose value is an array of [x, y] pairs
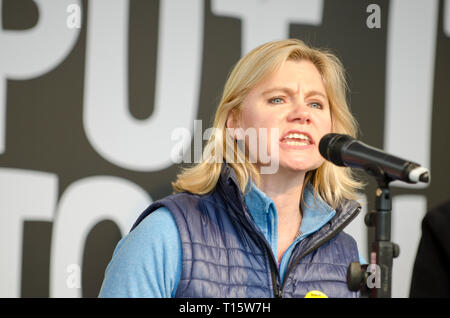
{"points": [[224, 254]]}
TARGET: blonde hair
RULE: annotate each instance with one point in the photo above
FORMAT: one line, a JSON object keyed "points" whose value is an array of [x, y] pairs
{"points": [[332, 183]]}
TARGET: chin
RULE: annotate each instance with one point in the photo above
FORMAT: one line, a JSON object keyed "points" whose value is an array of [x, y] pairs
{"points": [[297, 167], [300, 165]]}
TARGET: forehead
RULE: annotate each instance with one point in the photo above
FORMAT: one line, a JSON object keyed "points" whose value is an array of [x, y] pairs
{"points": [[294, 75]]}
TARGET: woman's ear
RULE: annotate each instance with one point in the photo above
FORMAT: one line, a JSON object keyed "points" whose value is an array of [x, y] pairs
{"points": [[233, 119], [230, 120]]}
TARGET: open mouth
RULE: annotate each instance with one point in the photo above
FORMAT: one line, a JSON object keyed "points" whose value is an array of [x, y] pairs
{"points": [[297, 139]]}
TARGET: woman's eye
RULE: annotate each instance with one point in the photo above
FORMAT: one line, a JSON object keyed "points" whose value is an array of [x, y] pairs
{"points": [[276, 100], [316, 105]]}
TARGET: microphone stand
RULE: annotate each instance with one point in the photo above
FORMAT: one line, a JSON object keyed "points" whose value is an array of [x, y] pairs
{"points": [[383, 250]]}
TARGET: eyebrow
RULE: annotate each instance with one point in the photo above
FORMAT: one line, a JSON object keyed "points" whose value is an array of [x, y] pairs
{"points": [[316, 93], [290, 91], [278, 89]]}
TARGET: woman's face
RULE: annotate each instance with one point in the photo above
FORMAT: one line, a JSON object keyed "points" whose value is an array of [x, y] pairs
{"points": [[293, 100]]}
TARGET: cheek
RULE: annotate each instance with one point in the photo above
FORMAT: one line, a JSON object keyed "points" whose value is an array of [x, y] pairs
{"points": [[257, 120], [326, 125], [328, 128], [247, 119]]}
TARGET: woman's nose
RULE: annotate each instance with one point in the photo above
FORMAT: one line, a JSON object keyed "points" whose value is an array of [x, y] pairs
{"points": [[300, 113]]}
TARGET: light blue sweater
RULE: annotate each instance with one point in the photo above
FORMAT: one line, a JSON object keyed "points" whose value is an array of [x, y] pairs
{"points": [[147, 262]]}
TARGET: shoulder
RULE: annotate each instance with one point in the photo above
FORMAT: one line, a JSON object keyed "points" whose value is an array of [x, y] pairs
{"points": [[343, 247], [187, 204], [147, 261], [345, 240], [439, 216], [172, 203], [156, 231], [435, 224], [158, 223], [184, 213]]}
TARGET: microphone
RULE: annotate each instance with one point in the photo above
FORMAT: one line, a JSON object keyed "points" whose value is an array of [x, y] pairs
{"points": [[344, 150]]}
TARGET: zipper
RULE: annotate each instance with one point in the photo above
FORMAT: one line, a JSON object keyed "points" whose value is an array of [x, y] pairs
{"points": [[319, 244], [278, 292], [272, 261], [274, 274]]}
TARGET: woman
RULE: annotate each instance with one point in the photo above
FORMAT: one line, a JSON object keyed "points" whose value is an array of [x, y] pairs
{"points": [[236, 227]]}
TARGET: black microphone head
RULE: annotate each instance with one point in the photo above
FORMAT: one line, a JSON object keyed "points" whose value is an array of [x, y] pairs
{"points": [[330, 147], [324, 143]]}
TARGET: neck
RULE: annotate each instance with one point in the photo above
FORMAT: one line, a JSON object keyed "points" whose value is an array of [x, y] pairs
{"points": [[284, 188]]}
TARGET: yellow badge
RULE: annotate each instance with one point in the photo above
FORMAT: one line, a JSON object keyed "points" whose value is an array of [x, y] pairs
{"points": [[315, 294]]}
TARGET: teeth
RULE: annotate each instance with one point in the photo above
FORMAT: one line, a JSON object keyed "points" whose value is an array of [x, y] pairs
{"points": [[297, 143], [297, 136]]}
